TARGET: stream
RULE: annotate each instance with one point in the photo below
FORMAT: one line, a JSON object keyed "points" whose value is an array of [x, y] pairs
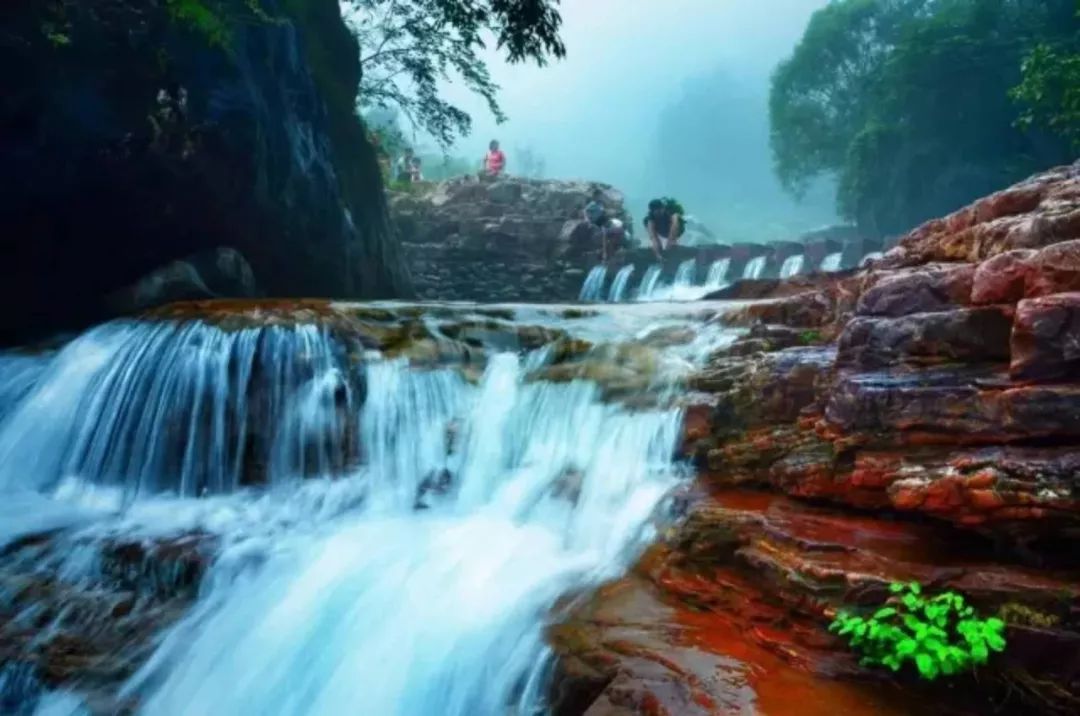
{"points": [[385, 527]]}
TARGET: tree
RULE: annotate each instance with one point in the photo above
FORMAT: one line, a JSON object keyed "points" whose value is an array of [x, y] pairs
{"points": [[408, 46], [1050, 89], [907, 103]]}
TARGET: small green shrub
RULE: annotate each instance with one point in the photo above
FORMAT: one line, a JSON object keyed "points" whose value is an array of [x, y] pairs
{"points": [[810, 337], [939, 635]]}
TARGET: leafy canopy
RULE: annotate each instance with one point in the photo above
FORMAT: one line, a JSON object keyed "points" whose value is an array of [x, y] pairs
{"points": [[906, 103], [939, 635], [408, 47], [1050, 89]]}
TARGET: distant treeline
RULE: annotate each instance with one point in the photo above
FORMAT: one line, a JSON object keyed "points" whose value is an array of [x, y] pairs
{"points": [[916, 107]]}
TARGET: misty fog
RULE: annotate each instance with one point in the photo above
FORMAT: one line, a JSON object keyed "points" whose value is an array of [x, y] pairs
{"points": [[660, 97]]}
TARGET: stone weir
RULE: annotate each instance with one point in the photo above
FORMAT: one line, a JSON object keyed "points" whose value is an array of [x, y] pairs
{"points": [[915, 421], [518, 239], [514, 239]]}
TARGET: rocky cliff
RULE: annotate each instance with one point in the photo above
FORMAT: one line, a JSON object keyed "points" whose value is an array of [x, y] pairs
{"points": [[514, 239], [919, 420], [147, 156]]}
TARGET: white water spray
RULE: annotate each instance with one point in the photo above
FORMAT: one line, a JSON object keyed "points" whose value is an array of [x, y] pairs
{"points": [[754, 268], [619, 286], [593, 288], [832, 262], [793, 266]]}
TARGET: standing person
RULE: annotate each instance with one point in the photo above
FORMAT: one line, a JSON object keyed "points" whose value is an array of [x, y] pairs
{"points": [[415, 174], [494, 160], [596, 214], [665, 225], [403, 166]]}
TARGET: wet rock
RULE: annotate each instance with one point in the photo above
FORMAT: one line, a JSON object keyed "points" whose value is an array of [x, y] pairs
{"points": [[1055, 269], [920, 290], [965, 335], [249, 146], [1002, 279], [1038, 212], [1046, 338]]}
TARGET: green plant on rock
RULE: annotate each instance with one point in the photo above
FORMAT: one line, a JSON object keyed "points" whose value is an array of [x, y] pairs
{"points": [[938, 635], [212, 18]]}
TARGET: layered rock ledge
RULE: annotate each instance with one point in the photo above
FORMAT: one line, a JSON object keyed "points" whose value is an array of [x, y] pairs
{"points": [[916, 420]]}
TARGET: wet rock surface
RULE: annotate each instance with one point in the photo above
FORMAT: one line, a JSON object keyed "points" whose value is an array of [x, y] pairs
{"points": [[918, 420]]}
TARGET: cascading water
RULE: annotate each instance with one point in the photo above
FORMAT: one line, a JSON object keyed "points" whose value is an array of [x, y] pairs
{"points": [[593, 288], [649, 283], [417, 581], [686, 275], [718, 271], [754, 268], [793, 266], [619, 286], [172, 407], [832, 262]]}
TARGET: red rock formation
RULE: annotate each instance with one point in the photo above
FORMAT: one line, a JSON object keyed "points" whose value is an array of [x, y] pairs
{"points": [[952, 395]]}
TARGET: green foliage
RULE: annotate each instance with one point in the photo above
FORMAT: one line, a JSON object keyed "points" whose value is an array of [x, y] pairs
{"points": [[200, 17], [906, 103], [1050, 90], [410, 48], [213, 18], [939, 636], [810, 337]]}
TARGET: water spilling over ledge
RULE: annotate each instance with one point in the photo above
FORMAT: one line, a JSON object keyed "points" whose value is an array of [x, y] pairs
{"points": [[383, 502]]}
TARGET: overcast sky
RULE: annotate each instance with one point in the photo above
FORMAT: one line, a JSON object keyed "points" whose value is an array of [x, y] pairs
{"points": [[594, 115]]}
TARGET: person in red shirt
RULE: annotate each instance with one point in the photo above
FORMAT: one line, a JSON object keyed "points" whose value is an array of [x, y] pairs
{"points": [[494, 160]]}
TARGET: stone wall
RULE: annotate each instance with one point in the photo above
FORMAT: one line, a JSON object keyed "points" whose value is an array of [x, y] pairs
{"points": [[514, 239]]}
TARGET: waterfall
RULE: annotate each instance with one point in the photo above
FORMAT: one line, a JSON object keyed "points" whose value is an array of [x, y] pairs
{"points": [[441, 611], [153, 407], [412, 573], [718, 272], [754, 268], [793, 266], [618, 291], [686, 275], [593, 288], [649, 283], [832, 262]]}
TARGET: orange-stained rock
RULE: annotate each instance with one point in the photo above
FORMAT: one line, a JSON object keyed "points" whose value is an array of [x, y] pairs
{"points": [[1055, 269], [1002, 279], [1038, 212]]}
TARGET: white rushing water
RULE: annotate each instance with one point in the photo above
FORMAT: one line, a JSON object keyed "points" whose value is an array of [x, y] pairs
{"points": [[620, 284], [718, 273], [413, 578], [832, 262], [793, 266], [754, 268], [593, 288]]}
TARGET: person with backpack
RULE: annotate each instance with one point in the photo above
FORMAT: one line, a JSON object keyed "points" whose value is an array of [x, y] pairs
{"points": [[665, 225]]}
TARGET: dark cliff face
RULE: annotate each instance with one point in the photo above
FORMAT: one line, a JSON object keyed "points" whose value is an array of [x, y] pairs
{"points": [[130, 140]]}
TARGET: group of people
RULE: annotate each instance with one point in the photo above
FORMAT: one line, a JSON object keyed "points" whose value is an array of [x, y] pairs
{"points": [[407, 169], [663, 222]]}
